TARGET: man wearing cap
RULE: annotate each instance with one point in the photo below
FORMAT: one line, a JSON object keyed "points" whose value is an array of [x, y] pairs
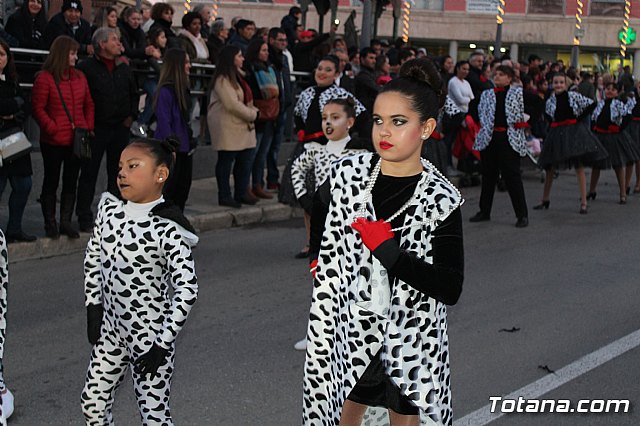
{"points": [[69, 22]]}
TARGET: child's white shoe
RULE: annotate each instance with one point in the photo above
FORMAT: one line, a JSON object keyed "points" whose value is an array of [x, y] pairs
{"points": [[7, 403], [301, 345]]}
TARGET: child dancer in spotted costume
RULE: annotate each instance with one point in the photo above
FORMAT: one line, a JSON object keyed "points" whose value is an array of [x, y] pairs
{"points": [[386, 240], [6, 397], [338, 116], [140, 250]]}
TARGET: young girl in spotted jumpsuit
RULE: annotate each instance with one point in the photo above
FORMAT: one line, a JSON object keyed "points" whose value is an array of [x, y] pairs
{"points": [[139, 251]]}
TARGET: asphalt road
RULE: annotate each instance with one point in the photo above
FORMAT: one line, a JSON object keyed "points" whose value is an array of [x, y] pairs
{"points": [[567, 283]]}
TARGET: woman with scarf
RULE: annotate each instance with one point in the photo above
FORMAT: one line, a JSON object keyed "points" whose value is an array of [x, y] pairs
{"points": [[172, 105], [308, 124], [387, 257], [261, 77]]}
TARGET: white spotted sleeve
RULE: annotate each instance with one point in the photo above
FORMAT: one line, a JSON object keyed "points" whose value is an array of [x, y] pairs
{"points": [[301, 167], [92, 259], [4, 286], [182, 277]]}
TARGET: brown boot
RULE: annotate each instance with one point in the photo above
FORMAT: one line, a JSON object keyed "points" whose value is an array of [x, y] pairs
{"points": [[259, 192], [249, 197]]}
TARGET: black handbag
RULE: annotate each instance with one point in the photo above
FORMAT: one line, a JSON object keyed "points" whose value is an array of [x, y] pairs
{"points": [[81, 137]]}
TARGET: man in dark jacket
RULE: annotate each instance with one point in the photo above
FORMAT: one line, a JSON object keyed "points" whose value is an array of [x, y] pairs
{"points": [[303, 58], [366, 87], [116, 104], [277, 44], [289, 24], [70, 23], [245, 30]]}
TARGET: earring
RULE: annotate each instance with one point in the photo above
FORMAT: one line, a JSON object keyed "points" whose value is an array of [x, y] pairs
{"points": [[160, 179]]}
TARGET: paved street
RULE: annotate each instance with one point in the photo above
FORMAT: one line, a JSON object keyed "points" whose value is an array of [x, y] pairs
{"points": [[567, 283]]}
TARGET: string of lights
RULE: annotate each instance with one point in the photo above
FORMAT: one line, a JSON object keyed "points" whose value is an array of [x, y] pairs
{"points": [[406, 17]]}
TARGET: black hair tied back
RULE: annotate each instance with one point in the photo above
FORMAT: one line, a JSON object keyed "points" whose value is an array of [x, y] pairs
{"points": [[162, 150], [171, 144], [420, 81]]}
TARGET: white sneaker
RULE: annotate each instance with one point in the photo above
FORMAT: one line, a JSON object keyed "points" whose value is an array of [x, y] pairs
{"points": [[301, 345], [7, 403]]}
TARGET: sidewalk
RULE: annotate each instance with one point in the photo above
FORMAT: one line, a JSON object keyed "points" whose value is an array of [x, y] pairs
{"points": [[202, 210]]}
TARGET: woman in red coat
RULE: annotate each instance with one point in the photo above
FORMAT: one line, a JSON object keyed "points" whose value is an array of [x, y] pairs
{"points": [[56, 130]]}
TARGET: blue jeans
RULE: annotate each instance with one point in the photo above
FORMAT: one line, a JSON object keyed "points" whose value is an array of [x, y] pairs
{"points": [[149, 86], [20, 189], [273, 174], [263, 143], [240, 162]]}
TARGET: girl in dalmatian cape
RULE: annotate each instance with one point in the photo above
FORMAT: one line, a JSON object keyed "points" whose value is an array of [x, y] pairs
{"points": [[139, 251], [6, 397], [387, 254], [338, 117], [633, 129], [570, 142], [609, 119]]}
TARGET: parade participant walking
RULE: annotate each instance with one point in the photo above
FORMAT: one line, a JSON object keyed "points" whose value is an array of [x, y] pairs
{"points": [[501, 143], [172, 105], [308, 124], [231, 118], [610, 117], [140, 285], [387, 234], [338, 117], [6, 397], [633, 129], [115, 96], [16, 171], [60, 87], [569, 142]]}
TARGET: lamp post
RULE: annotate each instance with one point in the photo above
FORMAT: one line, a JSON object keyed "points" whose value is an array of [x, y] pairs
{"points": [[499, 21], [578, 33]]}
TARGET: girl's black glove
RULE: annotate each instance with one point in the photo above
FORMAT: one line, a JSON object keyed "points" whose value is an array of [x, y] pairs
{"points": [[151, 361], [94, 321]]}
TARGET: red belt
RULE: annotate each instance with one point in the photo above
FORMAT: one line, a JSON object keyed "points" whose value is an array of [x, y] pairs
{"points": [[518, 125], [611, 129], [635, 118], [303, 137], [499, 129], [436, 135], [568, 122]]}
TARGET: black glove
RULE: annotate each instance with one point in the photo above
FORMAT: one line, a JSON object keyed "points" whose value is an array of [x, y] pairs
{"points": [[94, 321], [306, 202], [151, 361]]}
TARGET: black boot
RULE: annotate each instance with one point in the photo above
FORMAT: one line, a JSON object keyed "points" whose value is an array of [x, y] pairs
{"points": [[48, 204], [67, 201]]}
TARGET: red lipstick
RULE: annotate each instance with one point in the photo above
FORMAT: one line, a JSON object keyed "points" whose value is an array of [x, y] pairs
{"points": [[385, 145]]}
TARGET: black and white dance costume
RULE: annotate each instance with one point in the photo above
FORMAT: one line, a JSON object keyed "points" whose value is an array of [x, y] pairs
{"points": [[308, 124], [377, 331], [633, 128], [569, 142], [501, 142], [6, 400], [316, 160], [435, 149], [137, 254], [609, 118]]}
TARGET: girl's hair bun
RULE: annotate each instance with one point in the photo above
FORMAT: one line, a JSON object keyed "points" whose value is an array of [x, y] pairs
{"points": [[170, 144], [422, 70]]}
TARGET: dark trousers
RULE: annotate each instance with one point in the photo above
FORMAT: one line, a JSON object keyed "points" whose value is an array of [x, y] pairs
{"points": [[451, 125], [54, 158], [499, 159], [264, 140], [273, 174], [179, 183], [20, 189], [240, 162], [110, 140]]}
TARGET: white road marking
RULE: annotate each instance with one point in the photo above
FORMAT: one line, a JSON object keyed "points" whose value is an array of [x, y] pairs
{"points": [[550, 382]]}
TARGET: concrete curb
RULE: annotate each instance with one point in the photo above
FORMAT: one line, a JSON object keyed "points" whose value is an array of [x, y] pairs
{"points": [[46, 247]]}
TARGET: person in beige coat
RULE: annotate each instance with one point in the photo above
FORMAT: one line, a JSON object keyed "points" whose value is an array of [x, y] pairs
{"points": [[231, 118]]}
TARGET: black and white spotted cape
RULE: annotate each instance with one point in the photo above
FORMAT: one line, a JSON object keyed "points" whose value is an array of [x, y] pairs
{"points": [[140, 269], [355, 311], [514, 109], [4, 286], [619, 110], [577, 102], [316, 159]]}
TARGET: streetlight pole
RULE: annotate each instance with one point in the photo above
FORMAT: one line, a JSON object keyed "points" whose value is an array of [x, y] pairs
{"points": [[499, 21]]}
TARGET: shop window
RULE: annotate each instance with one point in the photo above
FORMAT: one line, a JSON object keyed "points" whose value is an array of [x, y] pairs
{"points": [[614, 8], [429, 4], [546, 7]]}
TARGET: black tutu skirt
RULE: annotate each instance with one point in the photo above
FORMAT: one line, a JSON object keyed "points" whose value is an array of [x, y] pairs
{"points": [[571, 146], [622, 150], [287, 194], [436, 152], [633, 130], [375, 389]]}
